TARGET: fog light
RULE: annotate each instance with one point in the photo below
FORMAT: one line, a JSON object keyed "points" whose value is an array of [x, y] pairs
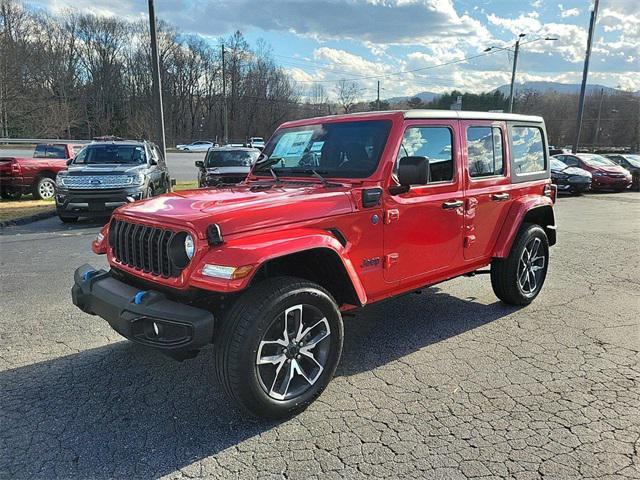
{"points": [[156, 329], [227, 273]]}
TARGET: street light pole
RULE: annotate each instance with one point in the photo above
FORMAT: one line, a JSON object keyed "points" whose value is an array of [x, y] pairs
{"points": [[585, 73], [157, 85], [225, 116], [513, 72], [378, 100]]}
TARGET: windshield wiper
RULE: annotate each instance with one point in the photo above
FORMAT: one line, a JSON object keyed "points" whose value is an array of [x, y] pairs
{"points": [[274, 175], [317, 174]]}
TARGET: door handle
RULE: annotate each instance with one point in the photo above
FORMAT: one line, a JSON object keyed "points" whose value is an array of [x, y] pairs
{"points": [[499, 197], [450, 205]]}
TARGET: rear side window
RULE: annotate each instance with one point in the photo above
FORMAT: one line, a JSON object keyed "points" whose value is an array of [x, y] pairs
{"points": [[484, 149], [435, 143], [527, 150]]}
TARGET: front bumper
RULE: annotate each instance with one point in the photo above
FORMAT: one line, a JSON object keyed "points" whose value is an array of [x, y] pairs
{"points": [[613, 183], [145, 317], [89, 203]]}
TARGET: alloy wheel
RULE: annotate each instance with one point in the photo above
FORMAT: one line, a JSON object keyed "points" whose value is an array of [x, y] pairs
{"points": [[293, 352], [531, 267], [46, 189]]}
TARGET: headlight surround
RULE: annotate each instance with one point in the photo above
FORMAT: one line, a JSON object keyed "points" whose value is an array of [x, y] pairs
{"points": [[599, 174], [178, 250]]}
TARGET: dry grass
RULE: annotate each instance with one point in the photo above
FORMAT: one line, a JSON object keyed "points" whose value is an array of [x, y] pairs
{"points": [[15, 209], [185, 185]]}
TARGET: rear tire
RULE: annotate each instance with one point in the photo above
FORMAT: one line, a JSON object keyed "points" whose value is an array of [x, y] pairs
{"points": [[44, 188], [518, 279], [270, 373], [7, 194]]}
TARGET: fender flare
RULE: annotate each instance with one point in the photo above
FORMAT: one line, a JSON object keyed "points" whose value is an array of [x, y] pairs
{"points": [[256, 250], [515, 217]]}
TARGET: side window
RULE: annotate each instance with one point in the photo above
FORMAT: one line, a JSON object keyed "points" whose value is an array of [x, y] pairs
{"points": [[484, 147], [436, 144], [81, 157], [158, 155], [528, 149], [571, 161], [40, 151]]}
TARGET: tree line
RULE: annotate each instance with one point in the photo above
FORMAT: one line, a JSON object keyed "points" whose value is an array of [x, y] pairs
{"points": [[80, 76]]}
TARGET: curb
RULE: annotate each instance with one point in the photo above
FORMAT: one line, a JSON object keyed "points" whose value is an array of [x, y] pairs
{"points": [[28, 219]]}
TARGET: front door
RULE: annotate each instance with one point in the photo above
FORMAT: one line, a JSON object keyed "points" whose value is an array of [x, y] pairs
{"points": [[487, 185], [423, 227]]}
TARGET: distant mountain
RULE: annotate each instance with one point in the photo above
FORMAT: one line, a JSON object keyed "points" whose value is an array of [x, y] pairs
{"points": [[424, 96], [545, 87]]}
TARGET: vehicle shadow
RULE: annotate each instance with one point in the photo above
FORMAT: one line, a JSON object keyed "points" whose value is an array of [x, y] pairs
{"points": [[54, 225], [122, 410]]}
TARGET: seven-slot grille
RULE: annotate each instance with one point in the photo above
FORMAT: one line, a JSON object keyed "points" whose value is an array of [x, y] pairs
{"points": [[143, 247]]}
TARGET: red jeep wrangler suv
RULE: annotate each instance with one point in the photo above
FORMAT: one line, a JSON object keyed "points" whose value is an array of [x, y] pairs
{"points": [[338, 213]]}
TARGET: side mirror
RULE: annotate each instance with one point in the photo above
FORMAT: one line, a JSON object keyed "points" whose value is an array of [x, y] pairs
{"points": [[153, 162], [413, 171], [199, 163], [69, 161]]}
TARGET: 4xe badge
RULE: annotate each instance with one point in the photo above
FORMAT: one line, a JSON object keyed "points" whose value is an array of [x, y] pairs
{"points": [[370, 262]]}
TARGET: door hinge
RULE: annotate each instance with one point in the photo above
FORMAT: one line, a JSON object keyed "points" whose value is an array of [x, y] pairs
{"points": [[391, 215], [469, 240], [391, 259]]}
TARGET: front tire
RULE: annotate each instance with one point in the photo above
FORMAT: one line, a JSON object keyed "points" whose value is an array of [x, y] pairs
{"points": [[518, 279], [65, 219], [8, 194], [279, 346]]}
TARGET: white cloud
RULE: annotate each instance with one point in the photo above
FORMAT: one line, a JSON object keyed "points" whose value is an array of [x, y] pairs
{"points": [[569, 12]]}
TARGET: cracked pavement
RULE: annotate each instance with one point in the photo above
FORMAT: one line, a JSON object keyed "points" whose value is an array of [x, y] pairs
{"points": [[446, 384]]}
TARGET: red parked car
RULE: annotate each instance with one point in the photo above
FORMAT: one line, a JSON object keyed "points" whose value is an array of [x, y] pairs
{"points": [[36, 175], [606, 174], [338, 213]]}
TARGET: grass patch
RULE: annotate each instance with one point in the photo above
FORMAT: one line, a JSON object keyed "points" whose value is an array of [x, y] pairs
{"points": [[186, 185], [15, 209]]}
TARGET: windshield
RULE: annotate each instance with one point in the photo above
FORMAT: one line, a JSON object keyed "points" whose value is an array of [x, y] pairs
{"points": [[340, 149], [103, 154], [557, 164], [633, 160], [233, 158], [597, 161]]}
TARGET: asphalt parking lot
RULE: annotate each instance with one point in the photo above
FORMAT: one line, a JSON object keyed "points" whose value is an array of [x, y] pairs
{"points": [[181, 165], [446, 384]]}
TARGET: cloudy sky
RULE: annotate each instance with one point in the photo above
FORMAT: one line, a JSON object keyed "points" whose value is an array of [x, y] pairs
{"points": [[403, 43]]}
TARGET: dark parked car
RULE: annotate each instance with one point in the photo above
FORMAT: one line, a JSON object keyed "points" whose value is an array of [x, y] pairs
{"points": [[106, 175], [606, 174], [630, 162], [569, 179], [226, 165]]}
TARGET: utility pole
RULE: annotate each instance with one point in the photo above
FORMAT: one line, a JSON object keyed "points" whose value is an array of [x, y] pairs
{"points": [[225, 118], [585, 73], [595, 136], [158, 112], [513, 72], [378, 100]]}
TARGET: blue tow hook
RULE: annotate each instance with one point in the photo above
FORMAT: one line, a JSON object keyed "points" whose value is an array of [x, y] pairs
{"points": [[88, 274], [137, 299]]}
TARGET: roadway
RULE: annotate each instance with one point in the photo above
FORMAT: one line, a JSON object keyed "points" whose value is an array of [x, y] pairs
{"points": [[447, 384]]}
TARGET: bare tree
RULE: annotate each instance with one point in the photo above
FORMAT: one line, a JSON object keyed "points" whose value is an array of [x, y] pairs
{"points": [[347, 93]]}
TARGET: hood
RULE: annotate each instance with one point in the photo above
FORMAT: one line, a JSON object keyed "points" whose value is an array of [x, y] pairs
{"points": [[105, 169], [242, 208], [572, 171], [227, 170]]}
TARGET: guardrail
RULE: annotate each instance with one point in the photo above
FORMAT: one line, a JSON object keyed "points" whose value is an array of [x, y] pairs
{"points": [[17, 141]]}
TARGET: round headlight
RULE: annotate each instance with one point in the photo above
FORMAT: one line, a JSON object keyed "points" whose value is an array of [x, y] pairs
{"points": [[189, 246]]}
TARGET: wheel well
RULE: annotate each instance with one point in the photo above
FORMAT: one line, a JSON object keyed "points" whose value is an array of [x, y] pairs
{"points": [[46, 173], [319, 265], [544, 217]]}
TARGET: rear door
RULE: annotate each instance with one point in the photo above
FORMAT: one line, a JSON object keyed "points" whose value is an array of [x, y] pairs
{"points": [[423, 227], [488, 196]]}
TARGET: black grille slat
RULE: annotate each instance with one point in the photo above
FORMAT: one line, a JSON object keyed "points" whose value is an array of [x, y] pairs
{"points": [[143, 247]]}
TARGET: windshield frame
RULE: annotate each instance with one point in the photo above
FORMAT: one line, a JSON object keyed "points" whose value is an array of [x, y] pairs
{"points": [[263, 168]]}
